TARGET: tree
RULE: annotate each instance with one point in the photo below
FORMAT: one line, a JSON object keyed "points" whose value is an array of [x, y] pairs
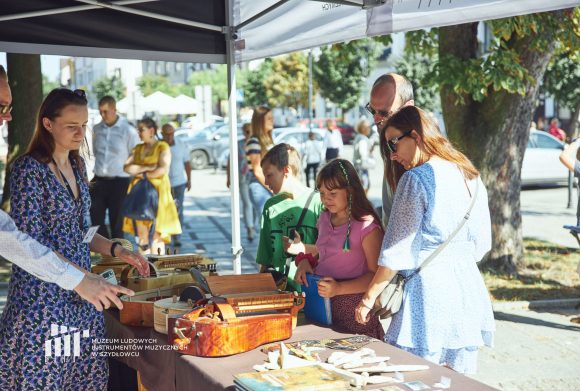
{"points": [[342, 69], [255, 93], [418, 69], [287, 84], [216, 78], [25, 79], [112, 86], [149, 84], [562, 80], [488, 99]]}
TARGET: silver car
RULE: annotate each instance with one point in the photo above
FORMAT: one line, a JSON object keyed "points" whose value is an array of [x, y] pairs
{"points": [[297, 137], [542, 164], [207, 146]]}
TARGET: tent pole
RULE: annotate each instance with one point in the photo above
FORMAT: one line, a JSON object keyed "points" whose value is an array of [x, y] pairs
{"points": [[237, 249], [310, 91]]}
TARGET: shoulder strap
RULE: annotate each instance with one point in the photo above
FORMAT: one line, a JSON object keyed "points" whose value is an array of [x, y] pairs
{"points": [[429, 259], [304, 210]]}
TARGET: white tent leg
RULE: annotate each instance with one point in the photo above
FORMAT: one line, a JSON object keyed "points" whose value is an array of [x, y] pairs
{"points": [[234, 169]]}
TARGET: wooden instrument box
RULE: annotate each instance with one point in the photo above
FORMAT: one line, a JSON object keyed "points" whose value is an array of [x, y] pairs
{"points": [[138, 310], [244, 312], [168, 270]]}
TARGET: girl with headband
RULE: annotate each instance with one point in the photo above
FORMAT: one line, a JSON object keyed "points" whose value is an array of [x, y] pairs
{"points": [[347, 249]]}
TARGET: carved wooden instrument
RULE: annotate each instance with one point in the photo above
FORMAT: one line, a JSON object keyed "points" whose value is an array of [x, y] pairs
{"points": [[164, 308], [167, 270], [138, 309], [184, 261], [244, 312]]}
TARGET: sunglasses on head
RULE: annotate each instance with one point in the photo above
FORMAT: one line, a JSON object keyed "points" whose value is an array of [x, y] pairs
{"points": [[5, 109], [392, 143], [80, 93], [373, 112]]}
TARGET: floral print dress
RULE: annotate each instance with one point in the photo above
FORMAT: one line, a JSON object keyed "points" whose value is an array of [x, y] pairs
{"points": [[43, 208]]}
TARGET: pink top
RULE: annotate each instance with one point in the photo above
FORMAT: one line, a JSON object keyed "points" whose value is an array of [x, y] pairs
{"points": [[335, 263]]}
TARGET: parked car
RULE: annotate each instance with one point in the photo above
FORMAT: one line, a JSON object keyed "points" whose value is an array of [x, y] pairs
{"points": [[190, 132], [541, 164], [190, 122], [347, 131], [208, 145], [297, 137]]}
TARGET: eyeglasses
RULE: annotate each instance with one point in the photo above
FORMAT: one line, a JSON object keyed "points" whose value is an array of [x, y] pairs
{"points": [[373, 112], [392, 143], [5, 109]]}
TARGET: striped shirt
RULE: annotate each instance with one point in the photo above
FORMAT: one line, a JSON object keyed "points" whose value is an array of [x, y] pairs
{"points": [[253, 147]]}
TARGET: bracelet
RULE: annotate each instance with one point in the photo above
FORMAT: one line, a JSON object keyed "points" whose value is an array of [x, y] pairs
{"points": [[115, 244], [364, 305], [308, 257]]}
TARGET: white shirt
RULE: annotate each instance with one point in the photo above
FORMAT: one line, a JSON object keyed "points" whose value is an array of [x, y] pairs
{"points": [[313, 152], [33, 257], [333, 140], [112, 146]]}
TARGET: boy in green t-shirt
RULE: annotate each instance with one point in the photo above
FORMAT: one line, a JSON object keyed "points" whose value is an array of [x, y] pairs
{"points": [[281, 215]]}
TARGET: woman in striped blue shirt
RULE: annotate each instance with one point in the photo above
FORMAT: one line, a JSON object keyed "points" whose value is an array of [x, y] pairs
{"points": [[256, 147]]}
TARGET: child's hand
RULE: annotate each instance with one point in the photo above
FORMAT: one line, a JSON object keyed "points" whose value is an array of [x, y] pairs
{"points": [[300, 275], [293, 247], [328, 287]]}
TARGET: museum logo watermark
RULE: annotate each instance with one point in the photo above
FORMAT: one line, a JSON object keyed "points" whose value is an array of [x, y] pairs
{"points": [[64, 341]]}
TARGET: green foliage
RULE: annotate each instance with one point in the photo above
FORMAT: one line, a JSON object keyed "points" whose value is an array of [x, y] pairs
{"points": [[562, 79], [150, 83], [342, 69], [47, 86], [109, 86], [287, 84], [254, 87], [216, 78], [419, 70], [422, 42], [499, 68]]}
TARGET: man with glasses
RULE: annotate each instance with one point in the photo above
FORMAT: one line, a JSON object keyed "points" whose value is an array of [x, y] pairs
{"points": [[40, 261], [390, 92], [113, 141]]}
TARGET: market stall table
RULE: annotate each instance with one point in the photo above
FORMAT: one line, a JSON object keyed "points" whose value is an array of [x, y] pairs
{"points": [[166, 370], [201, 373]]}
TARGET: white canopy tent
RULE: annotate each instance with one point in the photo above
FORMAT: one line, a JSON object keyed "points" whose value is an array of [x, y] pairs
{"points": [[132, 105], [226, 31], [186, 105], [159, 102]]}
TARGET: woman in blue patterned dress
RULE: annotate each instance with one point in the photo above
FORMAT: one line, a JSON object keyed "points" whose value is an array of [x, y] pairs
{"points": [[49, 199], [446, 313]]}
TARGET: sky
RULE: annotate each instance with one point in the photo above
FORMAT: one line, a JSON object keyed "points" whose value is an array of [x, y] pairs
{"points": [[50, 65]]}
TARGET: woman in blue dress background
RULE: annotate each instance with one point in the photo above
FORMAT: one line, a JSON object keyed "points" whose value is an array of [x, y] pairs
{"points": [[446, 313], [49, 200]]}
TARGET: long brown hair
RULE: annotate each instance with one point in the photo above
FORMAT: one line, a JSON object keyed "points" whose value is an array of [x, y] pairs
{"points": [[410, 118], [333, 177], [42, 145], [258, 131]]}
